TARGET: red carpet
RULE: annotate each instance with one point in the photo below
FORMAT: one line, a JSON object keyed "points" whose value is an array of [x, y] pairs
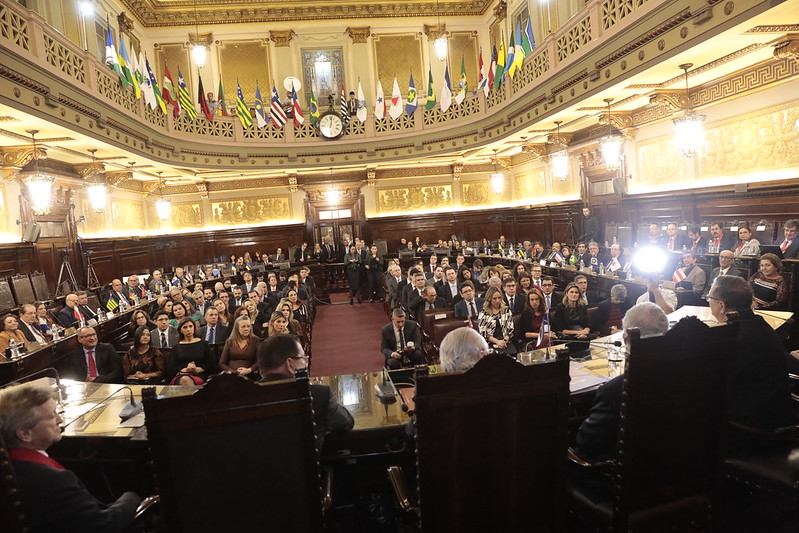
{"points": [[346, 339]]}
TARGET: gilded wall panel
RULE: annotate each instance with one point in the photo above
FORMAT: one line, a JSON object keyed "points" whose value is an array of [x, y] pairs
{"points": [[176, 57], [187, 215], [400, 55], [414, 198], [3, 210], [529, 186], [568, 187], [247, 62], [95, 222], [767, 139], [464, 44], [476, 193], [127, 216], [252, 211], [659, 162]]}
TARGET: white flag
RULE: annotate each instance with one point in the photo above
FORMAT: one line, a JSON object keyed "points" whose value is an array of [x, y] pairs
{"points": [[395, 109], [380, 102], [146, 86], [446, 92], [361, 114]]}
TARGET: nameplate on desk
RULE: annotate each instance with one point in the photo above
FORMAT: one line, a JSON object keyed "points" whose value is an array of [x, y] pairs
{"points": [[69, 331], [439, 316], [668, 284], [588, 270], [570, 267], [33, 346]]}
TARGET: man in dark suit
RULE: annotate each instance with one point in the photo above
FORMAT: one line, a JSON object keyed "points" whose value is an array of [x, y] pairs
{"points": [[589, 296], [279, 358], [394, 285], [515, 302], [448, 289], [94, 361], [674, 241], [696, 243], [213, 332], [655, 237], [469, 305], [429, 300], [592, 258], [117, 298], [724, 269], [29, 325], [789, 246], [551, 298], [236, 300], [133, 288], [53, 498], [592, 229], [302, 253], [164, 335], [401, 341], [329, 252], [83, 306], [70, 315], [247, 284], [598, 436], [761, 394], [413, 290], [720, 240]]}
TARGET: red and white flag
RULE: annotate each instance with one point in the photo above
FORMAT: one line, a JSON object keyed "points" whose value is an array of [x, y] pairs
{"points": [[678, 275]]}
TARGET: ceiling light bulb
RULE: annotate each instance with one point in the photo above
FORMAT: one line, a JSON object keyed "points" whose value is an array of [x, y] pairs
{"points": [[611, 150], [40, 188], [333, 195], [440, 45], [198, 53], [560, 165], [86, 9], [689, 134]]}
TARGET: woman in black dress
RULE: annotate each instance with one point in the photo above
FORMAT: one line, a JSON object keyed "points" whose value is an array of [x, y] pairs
{"points": [[190, 362], [143, 363], [375, 265], [570, 318], [352, 264]]}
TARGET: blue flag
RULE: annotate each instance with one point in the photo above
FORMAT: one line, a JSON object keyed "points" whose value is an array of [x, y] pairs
{"points": [[412, 102]]}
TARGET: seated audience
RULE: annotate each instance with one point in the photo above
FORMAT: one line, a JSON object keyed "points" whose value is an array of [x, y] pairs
{"points": [[598, 436], [665, 299], [70, 315], [689, 281], [143, 364], [164, 335], [53, 498], [532, 320], [221, 309], [496, 322], [401, 341], [428, 300], [11, 332], [674, 241], [292, 324], [461, 349], [769, 287], [279, 358], [470, 305], [515, 302], [117, 299], [156, 283], [29, 326], [138, 319], [587, 296], [746, 245], [213, 332], [178, 314], [524, 283], [725, 268], [45, 320], [190, 361], [278, 324], [570, 316], [240, 354], [551, 298], [449, 289], [696, 243], [789, 246], [719, 239], [299, 311], [93, 361], [609, 313]]}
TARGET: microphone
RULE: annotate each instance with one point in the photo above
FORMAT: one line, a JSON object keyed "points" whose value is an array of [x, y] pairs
{"points": [[386, 392], [130, 409], [592, 343]]}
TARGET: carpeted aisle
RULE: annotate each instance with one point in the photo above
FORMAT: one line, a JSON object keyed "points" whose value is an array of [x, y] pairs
{"points": [[346, 339]]}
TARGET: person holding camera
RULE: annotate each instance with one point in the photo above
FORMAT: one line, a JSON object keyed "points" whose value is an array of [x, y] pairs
{"points": [[401, 341]]}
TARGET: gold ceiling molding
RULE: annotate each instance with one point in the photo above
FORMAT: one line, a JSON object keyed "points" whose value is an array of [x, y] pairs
{"points": [[160, 13], [434, 31], [115, 177], [359, 35], [202, 188], [16, 157], [321, 193], [86, 170], [281, 38], [501, 10], [371, 174], [675, 100], [782, 28], [125, 23], [293, 182], [457, 170], [788, 48]]}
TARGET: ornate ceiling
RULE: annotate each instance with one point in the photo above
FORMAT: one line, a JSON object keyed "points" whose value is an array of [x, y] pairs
{"points": [[157, 13]]}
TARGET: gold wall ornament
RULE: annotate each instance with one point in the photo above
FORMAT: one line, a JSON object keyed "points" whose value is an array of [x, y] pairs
{"points": [[359, 35], [537, 150], [674, 99], [281, 38], [252, 211], [293, 182], [501, 10], [789, 48], [404, 54], [201, 39], [116, 177], [202, 188], [371, 175], [87, 170], [529, 186], [125, 23], [457, 170], [414, 198], [657, 163], [620, 120], [127, 216], [149, 187], [16, 157], [186, 215], [476, 193]]}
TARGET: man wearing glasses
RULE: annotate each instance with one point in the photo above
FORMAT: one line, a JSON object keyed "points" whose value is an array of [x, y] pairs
{"points": [[94, 361], [279, 358]]}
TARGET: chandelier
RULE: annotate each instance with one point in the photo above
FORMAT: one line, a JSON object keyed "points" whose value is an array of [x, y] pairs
{"points": [[440, 44], [96, 187], [163, 206], [497, 177], [560, 159], [688, 128], [40, 186], [198, 50], [611, 144]]}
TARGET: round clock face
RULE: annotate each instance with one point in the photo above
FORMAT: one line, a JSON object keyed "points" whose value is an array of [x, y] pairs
{"points": [[331, 126]]}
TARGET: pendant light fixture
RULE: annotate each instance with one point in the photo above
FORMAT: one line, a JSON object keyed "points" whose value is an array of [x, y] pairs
{"points": [[96, 186], [440, 43], [163, 206], [688, 128], [497, 177], [40, 186], [198, 51], [611, 144], [560, 158]]}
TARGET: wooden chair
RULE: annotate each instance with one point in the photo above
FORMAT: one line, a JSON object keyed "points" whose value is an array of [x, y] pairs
{"points": [[236, 456], [491, 448], [12, 514], [673, 423]]}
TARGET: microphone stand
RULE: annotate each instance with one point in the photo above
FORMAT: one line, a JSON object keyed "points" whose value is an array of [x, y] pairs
{"points": [[130, 410]]}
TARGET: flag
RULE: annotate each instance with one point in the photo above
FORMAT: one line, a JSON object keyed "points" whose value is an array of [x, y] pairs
{"points": [[144, 82], [431, 95], [528, 41], [169, 94], [361, 114], [492, 67], [395, 109], [559, 257], [678, 275], [345, 113], [124, 64], [614, 265], [111, 304], [201, 97], [313, 108], [299, 118], [221, 109], [380, 102], [543, 332], [259, 107], [111, 58], [510, 68], [154, 87], [135, 72], [279, 118], [242, 110], [482, 81], [410, 105], [446, 91], [500, 64], [463, 85], [518, 60], [185, 98]]}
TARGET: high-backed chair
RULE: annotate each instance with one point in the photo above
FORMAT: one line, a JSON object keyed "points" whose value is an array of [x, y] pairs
{"points": [[12, 514], [673, 422], [491, 448], [236, 456]]}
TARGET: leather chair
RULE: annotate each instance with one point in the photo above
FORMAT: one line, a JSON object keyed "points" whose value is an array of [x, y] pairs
{"points": [[673, 422], [491, 448]]}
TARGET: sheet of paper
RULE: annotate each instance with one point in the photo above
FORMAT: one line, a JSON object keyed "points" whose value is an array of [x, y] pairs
{"points": [[587, 381], [133, 422]]}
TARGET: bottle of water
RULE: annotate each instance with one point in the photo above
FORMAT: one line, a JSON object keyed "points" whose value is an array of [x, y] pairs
{"points": [[100, 315], [608, 245], [510, 251], [14, 349], [582, 264], [601, 269], [615, 241]]}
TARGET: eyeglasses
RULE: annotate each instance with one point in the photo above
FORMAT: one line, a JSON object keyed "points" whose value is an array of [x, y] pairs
{"points": [[713, 298], [88, 335]]}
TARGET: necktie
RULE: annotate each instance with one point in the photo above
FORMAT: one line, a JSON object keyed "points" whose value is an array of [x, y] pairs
{"points": [[510, 303], [671, 242], [92, 364], [472, 309], [78, 316], [402, 339], [163, 340], [211, 335], [785, 245], [549, 301]]}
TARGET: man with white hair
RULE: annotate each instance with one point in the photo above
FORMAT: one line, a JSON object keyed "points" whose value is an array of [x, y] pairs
{"points": [[598, 436], [461, 349]]}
